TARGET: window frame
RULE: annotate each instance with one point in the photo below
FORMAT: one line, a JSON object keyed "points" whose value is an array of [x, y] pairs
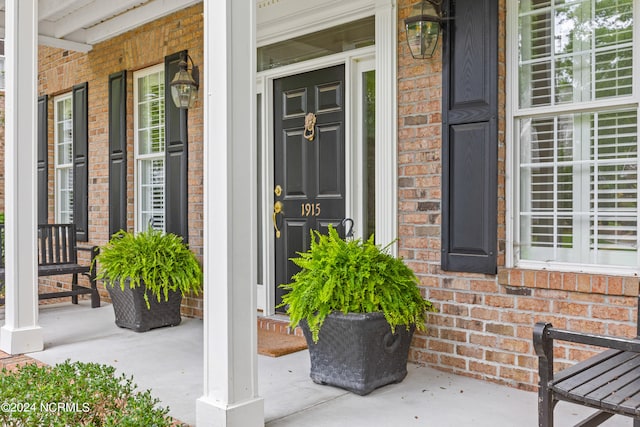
{"points": [[514, 113], [56, 165], [138, 158]]}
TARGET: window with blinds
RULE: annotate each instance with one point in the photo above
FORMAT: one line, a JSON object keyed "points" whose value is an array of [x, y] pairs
{"points": [[149, 121], [576, 125], [63, 158]]}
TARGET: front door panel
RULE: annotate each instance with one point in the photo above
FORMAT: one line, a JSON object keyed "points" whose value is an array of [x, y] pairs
{"points": [[309, 165]]}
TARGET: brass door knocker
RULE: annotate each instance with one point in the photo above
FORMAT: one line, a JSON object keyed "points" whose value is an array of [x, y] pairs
{"points": [[310, 126]]}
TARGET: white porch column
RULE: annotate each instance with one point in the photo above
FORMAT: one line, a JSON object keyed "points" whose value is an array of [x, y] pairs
{"points": [[386, 160], [21, 333], [230, 332]]}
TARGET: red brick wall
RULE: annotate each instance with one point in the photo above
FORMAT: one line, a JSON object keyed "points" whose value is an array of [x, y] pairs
{"points": [[484, 328], [60, 70]]}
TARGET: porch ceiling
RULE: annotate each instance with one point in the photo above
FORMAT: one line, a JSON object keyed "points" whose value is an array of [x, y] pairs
{"points": [[79, 24]]}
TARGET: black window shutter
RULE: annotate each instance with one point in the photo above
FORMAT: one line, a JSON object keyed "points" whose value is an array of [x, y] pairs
{"points": [[81, 161], [176, 209], [117, 152], [470, 136], [43, 160]]}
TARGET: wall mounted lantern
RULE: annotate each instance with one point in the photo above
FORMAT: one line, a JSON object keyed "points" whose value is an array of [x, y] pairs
{"points": [[184, 88], [423, 28]]}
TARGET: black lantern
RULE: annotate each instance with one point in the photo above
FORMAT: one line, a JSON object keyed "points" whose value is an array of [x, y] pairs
{"points": [[184, 88], [423, 28]]}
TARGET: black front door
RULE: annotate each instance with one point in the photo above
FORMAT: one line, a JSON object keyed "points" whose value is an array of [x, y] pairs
{"points": [[309, 162]]}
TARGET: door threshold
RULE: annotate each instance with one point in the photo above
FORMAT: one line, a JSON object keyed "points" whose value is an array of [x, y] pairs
{"points": [[278, 323]]}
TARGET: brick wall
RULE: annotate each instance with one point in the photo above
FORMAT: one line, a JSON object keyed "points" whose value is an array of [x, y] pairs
{"points": [[60, 70], [484, 327]]}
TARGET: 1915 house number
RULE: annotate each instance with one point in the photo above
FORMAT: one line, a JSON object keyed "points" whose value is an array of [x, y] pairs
{"points": [[310, 209]]}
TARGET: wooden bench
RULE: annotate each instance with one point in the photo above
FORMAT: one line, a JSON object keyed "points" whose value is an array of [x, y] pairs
{"points": [[57, 255], [608, 382]]}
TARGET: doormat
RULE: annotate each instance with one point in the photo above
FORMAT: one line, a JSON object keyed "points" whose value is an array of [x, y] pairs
{"points": [[274, 344]]}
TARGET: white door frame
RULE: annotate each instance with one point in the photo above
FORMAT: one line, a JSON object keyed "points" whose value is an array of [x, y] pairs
{"points": [[295, 19]]}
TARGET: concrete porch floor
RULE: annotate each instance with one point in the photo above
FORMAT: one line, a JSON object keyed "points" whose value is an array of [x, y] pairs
{"points": [[169, 362]]}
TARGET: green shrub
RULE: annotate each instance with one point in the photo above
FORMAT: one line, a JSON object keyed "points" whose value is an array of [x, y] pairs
{"points": [[161, 262], [76, 394], [352, 276]]}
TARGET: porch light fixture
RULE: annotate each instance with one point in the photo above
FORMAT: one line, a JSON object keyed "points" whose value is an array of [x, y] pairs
{"points": [[423, 28], [184, 88]]}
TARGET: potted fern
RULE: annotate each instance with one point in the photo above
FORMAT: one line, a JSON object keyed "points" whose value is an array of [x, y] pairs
{"points": [[358, 307], [146, 275]]}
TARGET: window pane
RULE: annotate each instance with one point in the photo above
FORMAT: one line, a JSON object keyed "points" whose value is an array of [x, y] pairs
{"points": [[64, 110], [341, 38], [260, 242], [578, 192], [574, 51], [369, 140], [64, 195], [63, 159], [151, 193], [150, 149], [151, 114]]}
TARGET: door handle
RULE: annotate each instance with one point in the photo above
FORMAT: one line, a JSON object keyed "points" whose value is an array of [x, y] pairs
{"points": [[277, 209]]}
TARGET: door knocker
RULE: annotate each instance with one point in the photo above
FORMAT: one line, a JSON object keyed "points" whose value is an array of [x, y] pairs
{"points": [[310, 126]]}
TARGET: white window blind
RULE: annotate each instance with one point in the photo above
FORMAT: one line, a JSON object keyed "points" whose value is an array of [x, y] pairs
{"points": [[578, 161], [150, 148], [574, 51], [63, 134]]}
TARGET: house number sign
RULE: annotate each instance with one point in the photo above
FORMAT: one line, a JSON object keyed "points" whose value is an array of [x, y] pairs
{"points": [[310, 209]]}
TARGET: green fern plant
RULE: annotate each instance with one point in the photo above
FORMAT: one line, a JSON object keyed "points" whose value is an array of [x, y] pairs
{"points": [[352, 276], [161, 262]]}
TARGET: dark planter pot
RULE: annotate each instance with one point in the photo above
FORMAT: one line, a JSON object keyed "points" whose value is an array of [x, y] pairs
{"points": [[358, 352], [132, 313]]}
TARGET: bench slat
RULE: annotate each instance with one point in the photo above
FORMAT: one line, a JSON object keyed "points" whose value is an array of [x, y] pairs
{"points": [[579, 367], [614, 387], [54, 270], [61, 294], [599, 375], [627, 400]]}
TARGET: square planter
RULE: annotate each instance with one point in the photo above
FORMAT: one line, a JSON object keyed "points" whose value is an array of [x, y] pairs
{"points": [[358, 352], [131, 310]]}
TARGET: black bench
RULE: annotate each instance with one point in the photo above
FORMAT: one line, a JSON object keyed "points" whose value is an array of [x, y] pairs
{"points": [[57, 255], [608, 382]]}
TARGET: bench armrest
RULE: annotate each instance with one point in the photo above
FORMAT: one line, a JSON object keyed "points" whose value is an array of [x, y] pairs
{"points": [[87, 248], [94, 250], [544, 334]]}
